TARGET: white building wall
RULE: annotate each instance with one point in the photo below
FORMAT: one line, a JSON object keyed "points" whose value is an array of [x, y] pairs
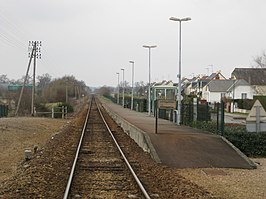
{"points": [[242, 89], [214, 97], [206, 95]]}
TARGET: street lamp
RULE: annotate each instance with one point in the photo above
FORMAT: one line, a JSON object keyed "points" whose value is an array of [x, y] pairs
{"points": [[149, 92], [132, 62], [179, 75], [123, 84], [117, 88]]}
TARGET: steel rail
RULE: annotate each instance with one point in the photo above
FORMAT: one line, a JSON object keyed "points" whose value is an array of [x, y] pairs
{"points": [[125, 159], [69, 182]]}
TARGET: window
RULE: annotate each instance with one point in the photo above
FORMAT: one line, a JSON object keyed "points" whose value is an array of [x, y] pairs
{"points": [[170, 94], [243, 95]]}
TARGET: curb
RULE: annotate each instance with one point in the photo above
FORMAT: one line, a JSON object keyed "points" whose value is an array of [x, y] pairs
{"points": [[250, 162], [138, 135]]}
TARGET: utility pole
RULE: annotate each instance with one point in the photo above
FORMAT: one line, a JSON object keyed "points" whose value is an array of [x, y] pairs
{"points": [[37, 55], [33, 81], [34, 52], [66, 92], [67, 81]]}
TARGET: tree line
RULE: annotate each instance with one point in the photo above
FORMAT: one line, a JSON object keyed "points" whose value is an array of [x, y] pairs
{"points": [[48, 90], [140, 89]]}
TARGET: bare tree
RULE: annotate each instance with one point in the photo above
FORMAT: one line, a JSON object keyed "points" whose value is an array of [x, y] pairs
{"points": [[260, 60], [4, 79], [43, 81], [140, 88], [105, 91]]}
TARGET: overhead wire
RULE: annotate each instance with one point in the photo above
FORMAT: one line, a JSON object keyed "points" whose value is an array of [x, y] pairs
{"points": [[13, 25], [9, 36], [8, 41], [12, 34]]}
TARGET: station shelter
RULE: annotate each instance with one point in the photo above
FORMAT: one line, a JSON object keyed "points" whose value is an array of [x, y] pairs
{"points": [[166, 91]]}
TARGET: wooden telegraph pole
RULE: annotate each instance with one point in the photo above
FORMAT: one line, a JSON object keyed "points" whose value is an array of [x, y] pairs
{"points": [[37, 55], [34, 52]]}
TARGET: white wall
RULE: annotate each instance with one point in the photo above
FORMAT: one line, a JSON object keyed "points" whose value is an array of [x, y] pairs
{"points": [[215, 97], [206, 95], [211, 96], [238, 90]]}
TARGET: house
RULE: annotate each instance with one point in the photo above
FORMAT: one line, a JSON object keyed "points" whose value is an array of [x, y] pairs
{"points": [[217, 75], [256, 77], [232, 89], [196, 84], [188, 85]]}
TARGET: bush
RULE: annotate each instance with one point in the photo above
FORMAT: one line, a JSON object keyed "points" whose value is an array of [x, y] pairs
{"points": [[42, 110], [262, 100], [248, 103], [251, 144], [70, 108], [245, 103], [209, 126], [58, 108]]}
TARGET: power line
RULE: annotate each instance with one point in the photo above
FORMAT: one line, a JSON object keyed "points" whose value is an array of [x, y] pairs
{"points": [[14, 25], [9, 42], [9, 32], [15, 36]]}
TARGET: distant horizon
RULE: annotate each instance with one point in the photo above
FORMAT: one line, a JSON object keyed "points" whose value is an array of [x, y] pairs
{"points": [[175, 82]]}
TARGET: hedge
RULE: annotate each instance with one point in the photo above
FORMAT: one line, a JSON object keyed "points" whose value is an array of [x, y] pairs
{"points": [[248, 103], [251, 144]]}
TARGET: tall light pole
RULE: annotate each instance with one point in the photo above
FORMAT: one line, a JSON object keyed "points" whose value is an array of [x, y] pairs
{"points": [[149, 91], [117, 88], [179, 75], [123, 84], [132, 91]]}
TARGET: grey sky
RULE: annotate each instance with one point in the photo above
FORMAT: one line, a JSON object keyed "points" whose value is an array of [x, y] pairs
{"points": [[93, 39]]}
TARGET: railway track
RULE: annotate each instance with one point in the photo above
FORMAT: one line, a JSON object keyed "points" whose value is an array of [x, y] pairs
{"points": [[100, 168]]}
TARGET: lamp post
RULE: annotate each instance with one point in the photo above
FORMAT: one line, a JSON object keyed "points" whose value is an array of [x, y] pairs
{"points": [[123, 84], [132, 91], [117, 88], [149, 92], [179, 75]]}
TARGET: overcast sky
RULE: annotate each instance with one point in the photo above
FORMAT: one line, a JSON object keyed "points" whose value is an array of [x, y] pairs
{"points": [[94, 39]]}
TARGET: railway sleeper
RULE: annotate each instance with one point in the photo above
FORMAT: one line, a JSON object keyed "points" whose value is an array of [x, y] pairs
{"points": [[103, 195], [102, 167]]}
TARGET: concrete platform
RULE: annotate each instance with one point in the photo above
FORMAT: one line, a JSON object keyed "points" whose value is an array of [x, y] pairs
{"points": [[178, 146]]}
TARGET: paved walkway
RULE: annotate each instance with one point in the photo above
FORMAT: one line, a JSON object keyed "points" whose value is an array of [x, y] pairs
{"points": [[182, 146], [235, 118]]}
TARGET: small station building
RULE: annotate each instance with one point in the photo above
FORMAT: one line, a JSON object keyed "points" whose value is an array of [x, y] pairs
{"points": [[163, 91]]}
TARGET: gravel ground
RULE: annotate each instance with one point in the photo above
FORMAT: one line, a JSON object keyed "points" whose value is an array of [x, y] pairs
{"points": [[45, 175], [18, 134], [231, 183]]}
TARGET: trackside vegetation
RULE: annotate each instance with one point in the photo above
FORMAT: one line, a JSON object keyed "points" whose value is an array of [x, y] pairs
{"points": [[251, 144]]}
